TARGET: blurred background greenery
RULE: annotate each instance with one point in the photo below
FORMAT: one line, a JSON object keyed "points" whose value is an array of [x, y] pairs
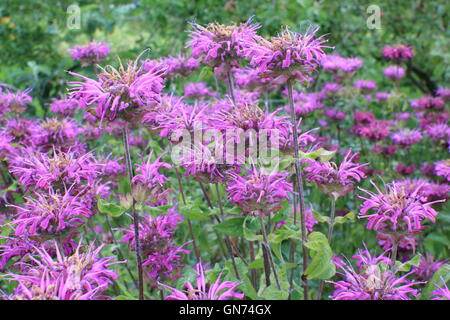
{"points": [[34, 36]]}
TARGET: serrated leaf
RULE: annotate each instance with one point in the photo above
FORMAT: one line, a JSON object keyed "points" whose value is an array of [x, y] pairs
{"points": [[111, 209], [321, 266], [231, 227]]}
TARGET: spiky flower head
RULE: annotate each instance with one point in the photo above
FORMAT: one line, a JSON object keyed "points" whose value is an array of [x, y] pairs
{"points": [[333, 179], [161, 257], [204, 291], [396, 209], [289, 54], [14, 102], [372, 281], [218, 44], [91, 53], [80, 276], [258, 192], [122, 92]]}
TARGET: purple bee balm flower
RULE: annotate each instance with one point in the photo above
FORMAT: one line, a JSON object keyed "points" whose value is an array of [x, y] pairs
{"points": [[332, 179], [258, 193], [38, 170], [365, 86], [372, 281], [148, 184], [427, 267], [80, 276], [394, 73], [406, 138], [443, 93], [382, 96], [438, 131], [429, 191], [442, 169], [216, 44], [334, 114], [64, 107], [442, 293], [58, 133], [398, 52], [428, 102], [216, 291], [206, 163], [331, 87], [14, 102], [91, 53], [50, 214], [122, 92], [161, 258], [197, 90], [396, 209], [405, 169], [290, 54], [336, 63], [179, 66], [22, 131]]}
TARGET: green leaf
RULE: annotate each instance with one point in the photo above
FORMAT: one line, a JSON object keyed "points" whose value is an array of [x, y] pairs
{"points": [[320, 217], [405, 267], [257, 264], [251, 226], [321, 266], [349, 216], [319, 154], [272, 293], [111, 209], [231, 227], [193, 212]]}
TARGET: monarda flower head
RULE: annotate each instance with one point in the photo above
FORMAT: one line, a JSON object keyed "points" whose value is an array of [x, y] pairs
{"points": [[63, 169], [161, 258], [444, 93], [207, 163], [217, 44], [365, 86], [442, 169], [428, 102], [406, 138], [259, 193], [215, 291], [332, 179], [179, 66], [197, 90], [90, 53], [58, 133], [124, 92], [438, 132], [338, 64], [148, 183], [14, 102], [334, 114], [427, 267], [50, 214], [64, 107], [80, 276], [290, 54], [398, 52], [372, 281], [394, 73], [396, 209]]}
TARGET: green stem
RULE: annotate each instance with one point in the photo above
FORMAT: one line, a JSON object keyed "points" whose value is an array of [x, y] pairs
{"points": [[299, 178], [137, 247]]}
